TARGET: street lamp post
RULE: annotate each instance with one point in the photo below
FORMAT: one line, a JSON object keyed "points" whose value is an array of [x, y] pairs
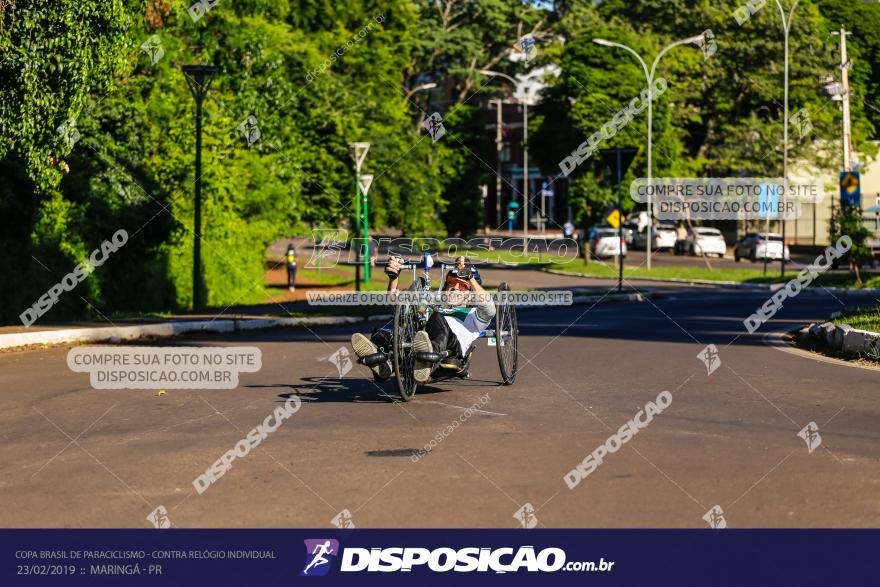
{"points": [[359, 153], [198, 78], [649, 76], [525, 141], [525, 105], [786, 27]]}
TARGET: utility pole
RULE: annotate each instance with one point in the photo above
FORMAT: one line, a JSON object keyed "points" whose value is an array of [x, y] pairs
{"points": [[499, 138], [525, 139], [844, 97], [844, 82]]}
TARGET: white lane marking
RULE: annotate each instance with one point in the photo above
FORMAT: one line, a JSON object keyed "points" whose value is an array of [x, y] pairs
{"points": [[458, 407], [774, 339]]}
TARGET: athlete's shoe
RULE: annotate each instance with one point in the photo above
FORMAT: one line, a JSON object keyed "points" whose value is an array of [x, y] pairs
{"points": [[422, 369], [363, 346]]}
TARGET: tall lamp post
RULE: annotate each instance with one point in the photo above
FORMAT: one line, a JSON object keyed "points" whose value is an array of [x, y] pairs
{"points": [[359, 153], [786, 28], [198, 78], [525, 141], [649, 76]]}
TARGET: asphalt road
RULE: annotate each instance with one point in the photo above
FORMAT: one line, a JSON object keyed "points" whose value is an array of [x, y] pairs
{"points": [[73, 456]]}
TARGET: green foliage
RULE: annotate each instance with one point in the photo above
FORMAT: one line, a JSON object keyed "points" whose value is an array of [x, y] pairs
{"points": [[722, 115], [847, 221], [54, 56]]}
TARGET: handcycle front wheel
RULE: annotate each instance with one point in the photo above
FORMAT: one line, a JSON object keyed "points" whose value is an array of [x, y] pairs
{"points": [[506, 337], [406, 324]]}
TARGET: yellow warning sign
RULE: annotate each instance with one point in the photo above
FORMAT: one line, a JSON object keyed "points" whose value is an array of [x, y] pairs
{"points": [[849, 182], [615, 218]]}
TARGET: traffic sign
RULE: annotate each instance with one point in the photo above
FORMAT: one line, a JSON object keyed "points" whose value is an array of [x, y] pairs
{"points": [[615, 218], [850, 188], [768, 202]]}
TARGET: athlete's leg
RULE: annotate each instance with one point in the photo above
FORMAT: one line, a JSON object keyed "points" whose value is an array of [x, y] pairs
{"points": [[379, 341], [442, 337]]}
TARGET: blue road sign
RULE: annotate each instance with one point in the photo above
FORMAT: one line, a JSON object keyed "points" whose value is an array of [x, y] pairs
{"points": [[768, 200]]}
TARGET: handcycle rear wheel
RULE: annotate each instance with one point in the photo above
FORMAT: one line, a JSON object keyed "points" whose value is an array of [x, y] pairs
{"points": [[406, 324], [506, 338]]}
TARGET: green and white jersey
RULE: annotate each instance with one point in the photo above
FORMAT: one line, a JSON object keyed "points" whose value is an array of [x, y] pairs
{"points": [[466, 323]]}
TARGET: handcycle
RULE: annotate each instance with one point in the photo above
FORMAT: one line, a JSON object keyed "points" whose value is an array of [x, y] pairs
{"points": [[410, 316]]}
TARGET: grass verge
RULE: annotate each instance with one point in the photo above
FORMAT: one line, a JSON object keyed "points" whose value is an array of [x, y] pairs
{"points": [[861, 318], [594, 269]]}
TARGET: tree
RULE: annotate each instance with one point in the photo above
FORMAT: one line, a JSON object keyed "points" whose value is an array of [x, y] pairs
{"points": [[847, 221], [54, 55]]}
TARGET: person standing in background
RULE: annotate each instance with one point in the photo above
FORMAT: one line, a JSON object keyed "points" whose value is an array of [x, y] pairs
{"points": [[291, 267]]}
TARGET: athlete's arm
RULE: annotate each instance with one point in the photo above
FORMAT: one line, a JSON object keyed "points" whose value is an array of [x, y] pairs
{"points": [[485, 305]]}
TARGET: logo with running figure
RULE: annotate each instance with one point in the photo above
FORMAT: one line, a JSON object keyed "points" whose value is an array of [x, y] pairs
{"points": [[320, 553]]}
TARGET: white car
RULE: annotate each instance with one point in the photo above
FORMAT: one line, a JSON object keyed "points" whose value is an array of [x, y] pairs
{"points": [[606, 242], [663, 237], [706, 240], [761, 245]]}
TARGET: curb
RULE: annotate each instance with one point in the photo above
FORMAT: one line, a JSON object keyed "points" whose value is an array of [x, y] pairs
{"points": [[734, 284], [777, 341], [843, 338], [169, 329], [771, 287]]}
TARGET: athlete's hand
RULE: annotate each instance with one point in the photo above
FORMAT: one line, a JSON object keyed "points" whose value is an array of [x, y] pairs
{"points": [[392, 267]]}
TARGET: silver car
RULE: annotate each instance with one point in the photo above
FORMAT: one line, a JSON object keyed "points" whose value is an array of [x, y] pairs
{"points": [[606, 242], [663, 236], [706, 240], [761, 245]]}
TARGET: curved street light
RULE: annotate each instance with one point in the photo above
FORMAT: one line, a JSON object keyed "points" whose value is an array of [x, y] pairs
{"points": [[419, 88], [649, 76], [786, 28]]}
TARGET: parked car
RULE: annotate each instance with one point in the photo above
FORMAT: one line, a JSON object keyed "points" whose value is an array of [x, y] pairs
{"points": [[605, 242], [663, 236], [761, 245], [629, 232], [705, 240]]}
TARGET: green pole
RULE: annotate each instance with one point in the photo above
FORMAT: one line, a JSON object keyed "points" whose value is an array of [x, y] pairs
{"points": [[357, 230], [320, 252], [366, 242]]}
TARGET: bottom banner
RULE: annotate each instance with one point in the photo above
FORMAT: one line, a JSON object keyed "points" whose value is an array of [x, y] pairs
{"points": [[437, 557]]}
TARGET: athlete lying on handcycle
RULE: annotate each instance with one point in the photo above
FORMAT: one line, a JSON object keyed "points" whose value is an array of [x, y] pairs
{"points": [[452, 328]]}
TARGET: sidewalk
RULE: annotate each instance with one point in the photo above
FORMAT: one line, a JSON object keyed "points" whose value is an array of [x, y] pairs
{"points": [[20, 336]]}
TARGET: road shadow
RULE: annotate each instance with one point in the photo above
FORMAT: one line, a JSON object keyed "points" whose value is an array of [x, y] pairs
{"points": [[346, 390]]}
